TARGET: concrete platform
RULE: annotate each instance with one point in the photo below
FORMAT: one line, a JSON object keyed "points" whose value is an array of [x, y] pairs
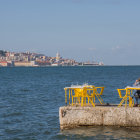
{"points": [[71, 116]]}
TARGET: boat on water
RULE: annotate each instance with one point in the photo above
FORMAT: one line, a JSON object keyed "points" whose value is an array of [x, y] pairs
{"points": [[92, 64]]}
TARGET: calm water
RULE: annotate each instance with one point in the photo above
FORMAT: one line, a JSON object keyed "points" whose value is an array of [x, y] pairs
{"points": [[30, 99]]}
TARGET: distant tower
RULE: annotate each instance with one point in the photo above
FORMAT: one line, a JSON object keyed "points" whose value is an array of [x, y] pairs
{"points": [[57, 56]]}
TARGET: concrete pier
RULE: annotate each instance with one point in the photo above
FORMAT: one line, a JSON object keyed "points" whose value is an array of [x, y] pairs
{"points": [[71, 116]]}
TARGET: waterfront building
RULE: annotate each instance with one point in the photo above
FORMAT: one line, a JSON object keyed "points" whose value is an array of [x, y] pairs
{"points": [[55, 64], [4, 63]]}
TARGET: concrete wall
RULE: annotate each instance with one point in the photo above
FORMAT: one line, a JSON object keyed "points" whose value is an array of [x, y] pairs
{"points": [[100, 115], [25, 64]]}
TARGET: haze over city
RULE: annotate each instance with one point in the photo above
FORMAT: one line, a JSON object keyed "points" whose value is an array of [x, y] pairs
{"points": [[105, 30]]}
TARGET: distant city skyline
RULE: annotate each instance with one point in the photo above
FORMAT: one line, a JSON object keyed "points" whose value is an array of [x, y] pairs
{"points": [[105, 30], [29, 59]]}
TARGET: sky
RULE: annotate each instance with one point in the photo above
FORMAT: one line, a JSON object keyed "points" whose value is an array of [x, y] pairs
{"points": [[94, 30]]}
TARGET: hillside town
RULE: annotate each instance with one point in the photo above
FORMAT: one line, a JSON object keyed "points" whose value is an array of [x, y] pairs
{"points": [[28, 59]]}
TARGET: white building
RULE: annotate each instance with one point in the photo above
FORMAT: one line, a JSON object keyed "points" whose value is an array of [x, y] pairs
{"points": [[57, 57]]}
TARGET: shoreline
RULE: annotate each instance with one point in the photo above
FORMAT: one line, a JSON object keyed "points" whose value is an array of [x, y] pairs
{"points": [[76, 66]]}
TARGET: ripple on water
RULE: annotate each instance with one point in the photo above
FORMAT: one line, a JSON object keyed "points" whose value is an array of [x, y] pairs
{"points": [[13, 114], [13, 131], [102, 132], [24, 90]]}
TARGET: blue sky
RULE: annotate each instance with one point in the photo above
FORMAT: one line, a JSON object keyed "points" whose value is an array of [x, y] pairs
{"points": [[103, 30]]}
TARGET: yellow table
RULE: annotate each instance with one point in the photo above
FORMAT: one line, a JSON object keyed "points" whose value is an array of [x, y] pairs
{"points": [[79, 94]]}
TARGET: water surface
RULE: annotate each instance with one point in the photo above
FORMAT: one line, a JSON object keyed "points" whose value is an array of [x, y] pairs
{"points": [[30, 99]]}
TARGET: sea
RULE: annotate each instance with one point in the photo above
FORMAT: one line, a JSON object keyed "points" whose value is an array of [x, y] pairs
{"points": [[30, 98]]}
